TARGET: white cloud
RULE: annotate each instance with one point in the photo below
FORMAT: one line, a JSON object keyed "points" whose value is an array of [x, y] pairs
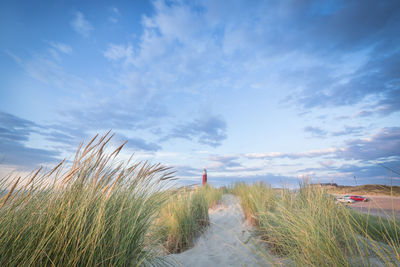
{"points": [[307, 154], [119, 52], [327, 163], [81, 25], [51, 73], [115, 14], [48, 69], [115, 11], [61, 47]]}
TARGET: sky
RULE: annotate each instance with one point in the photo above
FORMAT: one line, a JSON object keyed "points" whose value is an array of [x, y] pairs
{"points": [[269, 91]]}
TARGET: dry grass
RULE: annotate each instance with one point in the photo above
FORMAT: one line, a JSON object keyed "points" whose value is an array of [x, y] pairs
{"points": [[310, 229], [185, 216], [96, 212]]}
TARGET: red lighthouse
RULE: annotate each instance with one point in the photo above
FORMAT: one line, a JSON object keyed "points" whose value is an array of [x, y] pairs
{"points": [[204, 176]]}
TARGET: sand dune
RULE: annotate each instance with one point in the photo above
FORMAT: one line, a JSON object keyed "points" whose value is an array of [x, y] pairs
{"points": [[226, 242]]}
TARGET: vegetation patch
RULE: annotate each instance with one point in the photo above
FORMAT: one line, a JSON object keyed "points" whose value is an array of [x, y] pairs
{"points": [[308, 227], [99, 212], [96, 212], [185, 216]]}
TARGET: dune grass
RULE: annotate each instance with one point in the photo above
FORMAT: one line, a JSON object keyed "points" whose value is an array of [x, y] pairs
{"points": [[96, 212], [211, 194], [378, 228], [310, 229], [185, 216], [256, 198]]}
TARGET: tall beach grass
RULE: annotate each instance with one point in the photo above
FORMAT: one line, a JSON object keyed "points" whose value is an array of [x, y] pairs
{"points": [[96, 212], [310, 229], [185, 216], [256, 198]]}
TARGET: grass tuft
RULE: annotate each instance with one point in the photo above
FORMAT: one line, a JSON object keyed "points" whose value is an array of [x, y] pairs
{"points": [[96, 212], [186, 216], [308, 227]]}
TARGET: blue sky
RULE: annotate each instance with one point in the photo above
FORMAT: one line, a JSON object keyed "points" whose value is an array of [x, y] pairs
{"points": [[250, 90]]}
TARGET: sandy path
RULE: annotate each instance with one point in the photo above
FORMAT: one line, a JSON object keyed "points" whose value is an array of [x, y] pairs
{"points": [[226, 241]]}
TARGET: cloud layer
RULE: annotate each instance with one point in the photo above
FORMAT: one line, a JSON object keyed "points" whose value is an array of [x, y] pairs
{"points": [[14, 135], [210, 130], [316, 82]]}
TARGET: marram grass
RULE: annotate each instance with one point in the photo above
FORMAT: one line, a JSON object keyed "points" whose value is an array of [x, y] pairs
{"points": [[185, 216], [97, 212], [309, 229]]}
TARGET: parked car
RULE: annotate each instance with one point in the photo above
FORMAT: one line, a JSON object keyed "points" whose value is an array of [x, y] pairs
{"points": [[345, 199], [358, 198]]}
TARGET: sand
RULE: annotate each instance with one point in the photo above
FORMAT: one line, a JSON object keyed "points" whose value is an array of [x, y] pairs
{"points": [[227, 242], [384, 206]]}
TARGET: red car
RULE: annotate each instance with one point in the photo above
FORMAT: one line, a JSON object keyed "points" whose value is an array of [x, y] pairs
{"points": [[357, 198]]}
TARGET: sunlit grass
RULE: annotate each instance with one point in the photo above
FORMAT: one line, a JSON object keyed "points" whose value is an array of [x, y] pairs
{"points": [[104, 212], [310, 229], [185, 217], [255, 199], [96, 212]]}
